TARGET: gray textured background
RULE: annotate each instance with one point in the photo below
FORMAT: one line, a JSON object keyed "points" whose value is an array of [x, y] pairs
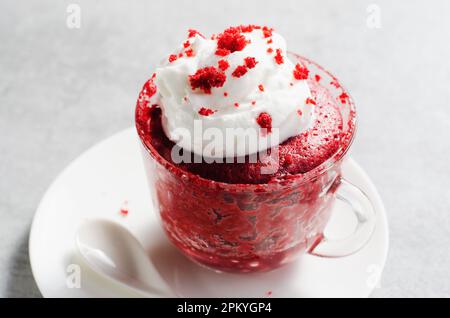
{"points": [[62, 90]]}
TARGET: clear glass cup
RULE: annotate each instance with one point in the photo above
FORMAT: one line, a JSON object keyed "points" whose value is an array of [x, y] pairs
{"points": [[258, 227]]}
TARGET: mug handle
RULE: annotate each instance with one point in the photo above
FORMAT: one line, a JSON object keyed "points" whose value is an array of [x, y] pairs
{"points": [[364, 211]]}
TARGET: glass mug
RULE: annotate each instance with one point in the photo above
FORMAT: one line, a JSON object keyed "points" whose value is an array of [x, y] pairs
{"points": [[258, 227]]}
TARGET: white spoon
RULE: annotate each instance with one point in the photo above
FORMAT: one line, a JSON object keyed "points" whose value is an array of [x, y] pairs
{"points": [[112, 251]]}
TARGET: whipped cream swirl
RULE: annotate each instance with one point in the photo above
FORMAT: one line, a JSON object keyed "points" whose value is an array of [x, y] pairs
{"points": [[240, 79]]}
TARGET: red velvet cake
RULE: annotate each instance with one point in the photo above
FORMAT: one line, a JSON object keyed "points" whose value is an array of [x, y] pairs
{"points": [[234, 216]]}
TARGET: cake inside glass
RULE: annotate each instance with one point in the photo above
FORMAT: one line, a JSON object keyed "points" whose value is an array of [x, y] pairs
{"points": [[242, 144]]}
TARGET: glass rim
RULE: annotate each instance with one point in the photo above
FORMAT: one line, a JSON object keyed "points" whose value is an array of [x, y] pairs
{"points": [[278, 182]]}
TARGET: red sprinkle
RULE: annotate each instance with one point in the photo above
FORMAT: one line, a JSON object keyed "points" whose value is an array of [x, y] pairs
{"points": [[192, 33], [299, 112], [264, 120], [269, 41], [261, 87], [236, 104], [225, 94], [173, 57], [205, 111], [278, 57], [239, 71], [317, 77], [310, 101], [223, 65], [186, 44], [300, 72], [231, 40], [206, 78], [180, 55], [253, 102], [250, 62], [343, 97], [269, 293], [269, 50]]}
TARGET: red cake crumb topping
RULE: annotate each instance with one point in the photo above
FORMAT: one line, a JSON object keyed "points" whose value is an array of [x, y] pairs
{"points": [[189, 52], [343, 97], [267, 32], [206, 78], [231, 40], [269, 50], [299, 112], [250, 62], [278, 57], [310, 101], [149, 88], [264, 120], [300, 72], [240, 71], [223, 65], [269, 41], [317, 77], [261, 87], [173, 57], [205, 111], [248, 28], [222, 52], [186, 44], [192, 33]]}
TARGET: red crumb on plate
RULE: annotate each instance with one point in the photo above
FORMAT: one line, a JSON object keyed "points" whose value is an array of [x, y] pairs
{"points": [[124, 209]]}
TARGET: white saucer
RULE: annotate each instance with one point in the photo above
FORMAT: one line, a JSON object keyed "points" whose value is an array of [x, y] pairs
{"points": [[97, 184]]}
